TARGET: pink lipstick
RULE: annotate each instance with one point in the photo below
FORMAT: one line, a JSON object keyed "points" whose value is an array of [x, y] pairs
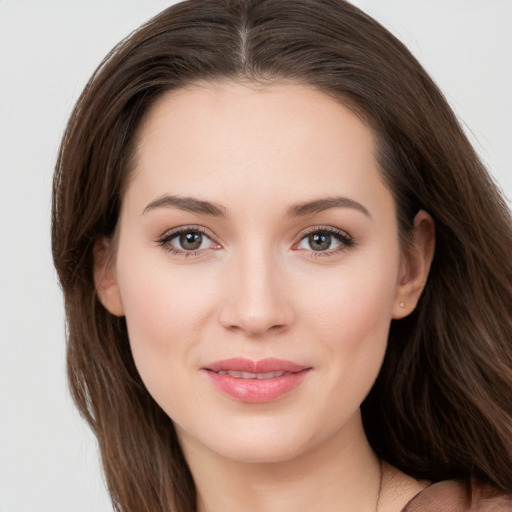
{"points": [[256, 381]]}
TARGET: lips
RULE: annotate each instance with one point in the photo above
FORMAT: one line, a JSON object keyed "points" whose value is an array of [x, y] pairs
{"points": [[249, 375], [255, 381]]}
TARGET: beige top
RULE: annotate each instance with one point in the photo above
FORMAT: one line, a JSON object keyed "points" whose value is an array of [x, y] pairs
{"points": [[460, 496]]}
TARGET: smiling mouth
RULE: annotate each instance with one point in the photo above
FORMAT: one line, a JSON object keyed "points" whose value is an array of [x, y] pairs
{"points": [[249, 375], [256, 381]]}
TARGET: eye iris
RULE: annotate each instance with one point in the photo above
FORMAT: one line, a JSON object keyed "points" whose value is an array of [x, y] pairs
{"points": [[191, 240], [319, 241]]}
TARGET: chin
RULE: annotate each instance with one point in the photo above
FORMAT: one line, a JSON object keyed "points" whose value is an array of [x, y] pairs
{"points": [[261, 450], [267, 439]]}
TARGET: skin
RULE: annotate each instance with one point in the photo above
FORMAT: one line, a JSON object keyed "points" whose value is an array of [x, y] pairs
{"points": [[256, 288]]}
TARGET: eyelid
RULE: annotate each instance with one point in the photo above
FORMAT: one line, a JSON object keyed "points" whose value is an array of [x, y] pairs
{"points": [[165, 239], [343, 237]]}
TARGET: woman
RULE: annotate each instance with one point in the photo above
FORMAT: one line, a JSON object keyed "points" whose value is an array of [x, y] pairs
{"points": [[287, 275]]}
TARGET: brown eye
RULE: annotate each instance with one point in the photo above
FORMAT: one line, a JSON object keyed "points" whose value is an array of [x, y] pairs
{"points": [[187, 242], [320, 241], [326, 242], [190, 240]]}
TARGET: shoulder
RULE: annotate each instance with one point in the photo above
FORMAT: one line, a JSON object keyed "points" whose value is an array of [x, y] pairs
{"points": [[460, 496]]}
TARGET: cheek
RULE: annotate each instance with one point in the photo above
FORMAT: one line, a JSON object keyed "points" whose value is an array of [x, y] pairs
{"points": [[351, 319], [166, 309], [157, 308], [356, 301]]}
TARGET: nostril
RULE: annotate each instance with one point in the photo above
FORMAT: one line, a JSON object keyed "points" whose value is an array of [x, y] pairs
{"points": [[276, 328]]}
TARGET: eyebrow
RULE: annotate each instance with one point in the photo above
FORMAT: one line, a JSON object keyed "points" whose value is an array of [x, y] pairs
{"points": [[191, 204], [188, 204], [320, 205]]}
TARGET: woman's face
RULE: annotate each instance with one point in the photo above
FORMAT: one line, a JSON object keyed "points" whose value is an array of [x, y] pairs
{"points": [[258, 266]]}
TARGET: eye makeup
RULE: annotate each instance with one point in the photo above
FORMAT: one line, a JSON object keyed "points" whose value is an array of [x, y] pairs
{"points": [[321, 239], [191, 239], [318, 241]]}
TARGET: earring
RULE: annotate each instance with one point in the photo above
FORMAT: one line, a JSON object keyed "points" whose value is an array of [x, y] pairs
{"points": [[402, 305]]}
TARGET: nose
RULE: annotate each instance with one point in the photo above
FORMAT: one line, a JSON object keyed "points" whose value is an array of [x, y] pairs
{"points": [[257, 297]]}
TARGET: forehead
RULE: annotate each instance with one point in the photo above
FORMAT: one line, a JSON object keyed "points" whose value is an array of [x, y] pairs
{"points": [[231, 139]]}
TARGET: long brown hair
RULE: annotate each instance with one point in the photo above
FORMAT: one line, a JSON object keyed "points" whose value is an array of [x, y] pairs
{"points": [[442, 404]]}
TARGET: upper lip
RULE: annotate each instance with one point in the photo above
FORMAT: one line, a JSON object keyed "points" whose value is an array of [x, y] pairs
{"points": [[261, 366]]}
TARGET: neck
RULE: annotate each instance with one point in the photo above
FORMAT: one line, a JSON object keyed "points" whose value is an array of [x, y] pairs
{"points": [[341, 473]]}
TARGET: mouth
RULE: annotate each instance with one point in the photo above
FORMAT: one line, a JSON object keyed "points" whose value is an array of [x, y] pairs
{"points": [[249, 375], [260, 381]]}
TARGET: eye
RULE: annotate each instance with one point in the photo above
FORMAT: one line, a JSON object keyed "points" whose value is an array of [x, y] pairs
{"points": [[325, 240], [190, 240], [187, 241]]}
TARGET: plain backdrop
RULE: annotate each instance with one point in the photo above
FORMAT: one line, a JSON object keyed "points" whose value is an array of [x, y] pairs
{"points": [[48, 49]]}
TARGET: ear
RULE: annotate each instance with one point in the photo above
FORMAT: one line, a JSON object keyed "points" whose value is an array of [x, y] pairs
{"points": [[105, 277], [415, 265]]}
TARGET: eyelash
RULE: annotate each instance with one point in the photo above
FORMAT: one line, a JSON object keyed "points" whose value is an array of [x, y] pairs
{"points": [[346, 241], [165, 241]]}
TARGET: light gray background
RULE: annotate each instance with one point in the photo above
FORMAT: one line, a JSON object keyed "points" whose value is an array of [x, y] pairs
{"points": [[48, 49]]}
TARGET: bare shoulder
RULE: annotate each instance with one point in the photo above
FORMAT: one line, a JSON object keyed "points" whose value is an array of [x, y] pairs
{"points": [[460, 496], [398, 489]]}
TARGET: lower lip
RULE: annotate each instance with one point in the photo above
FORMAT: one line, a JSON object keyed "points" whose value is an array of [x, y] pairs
{"points": [[257, 391]]}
